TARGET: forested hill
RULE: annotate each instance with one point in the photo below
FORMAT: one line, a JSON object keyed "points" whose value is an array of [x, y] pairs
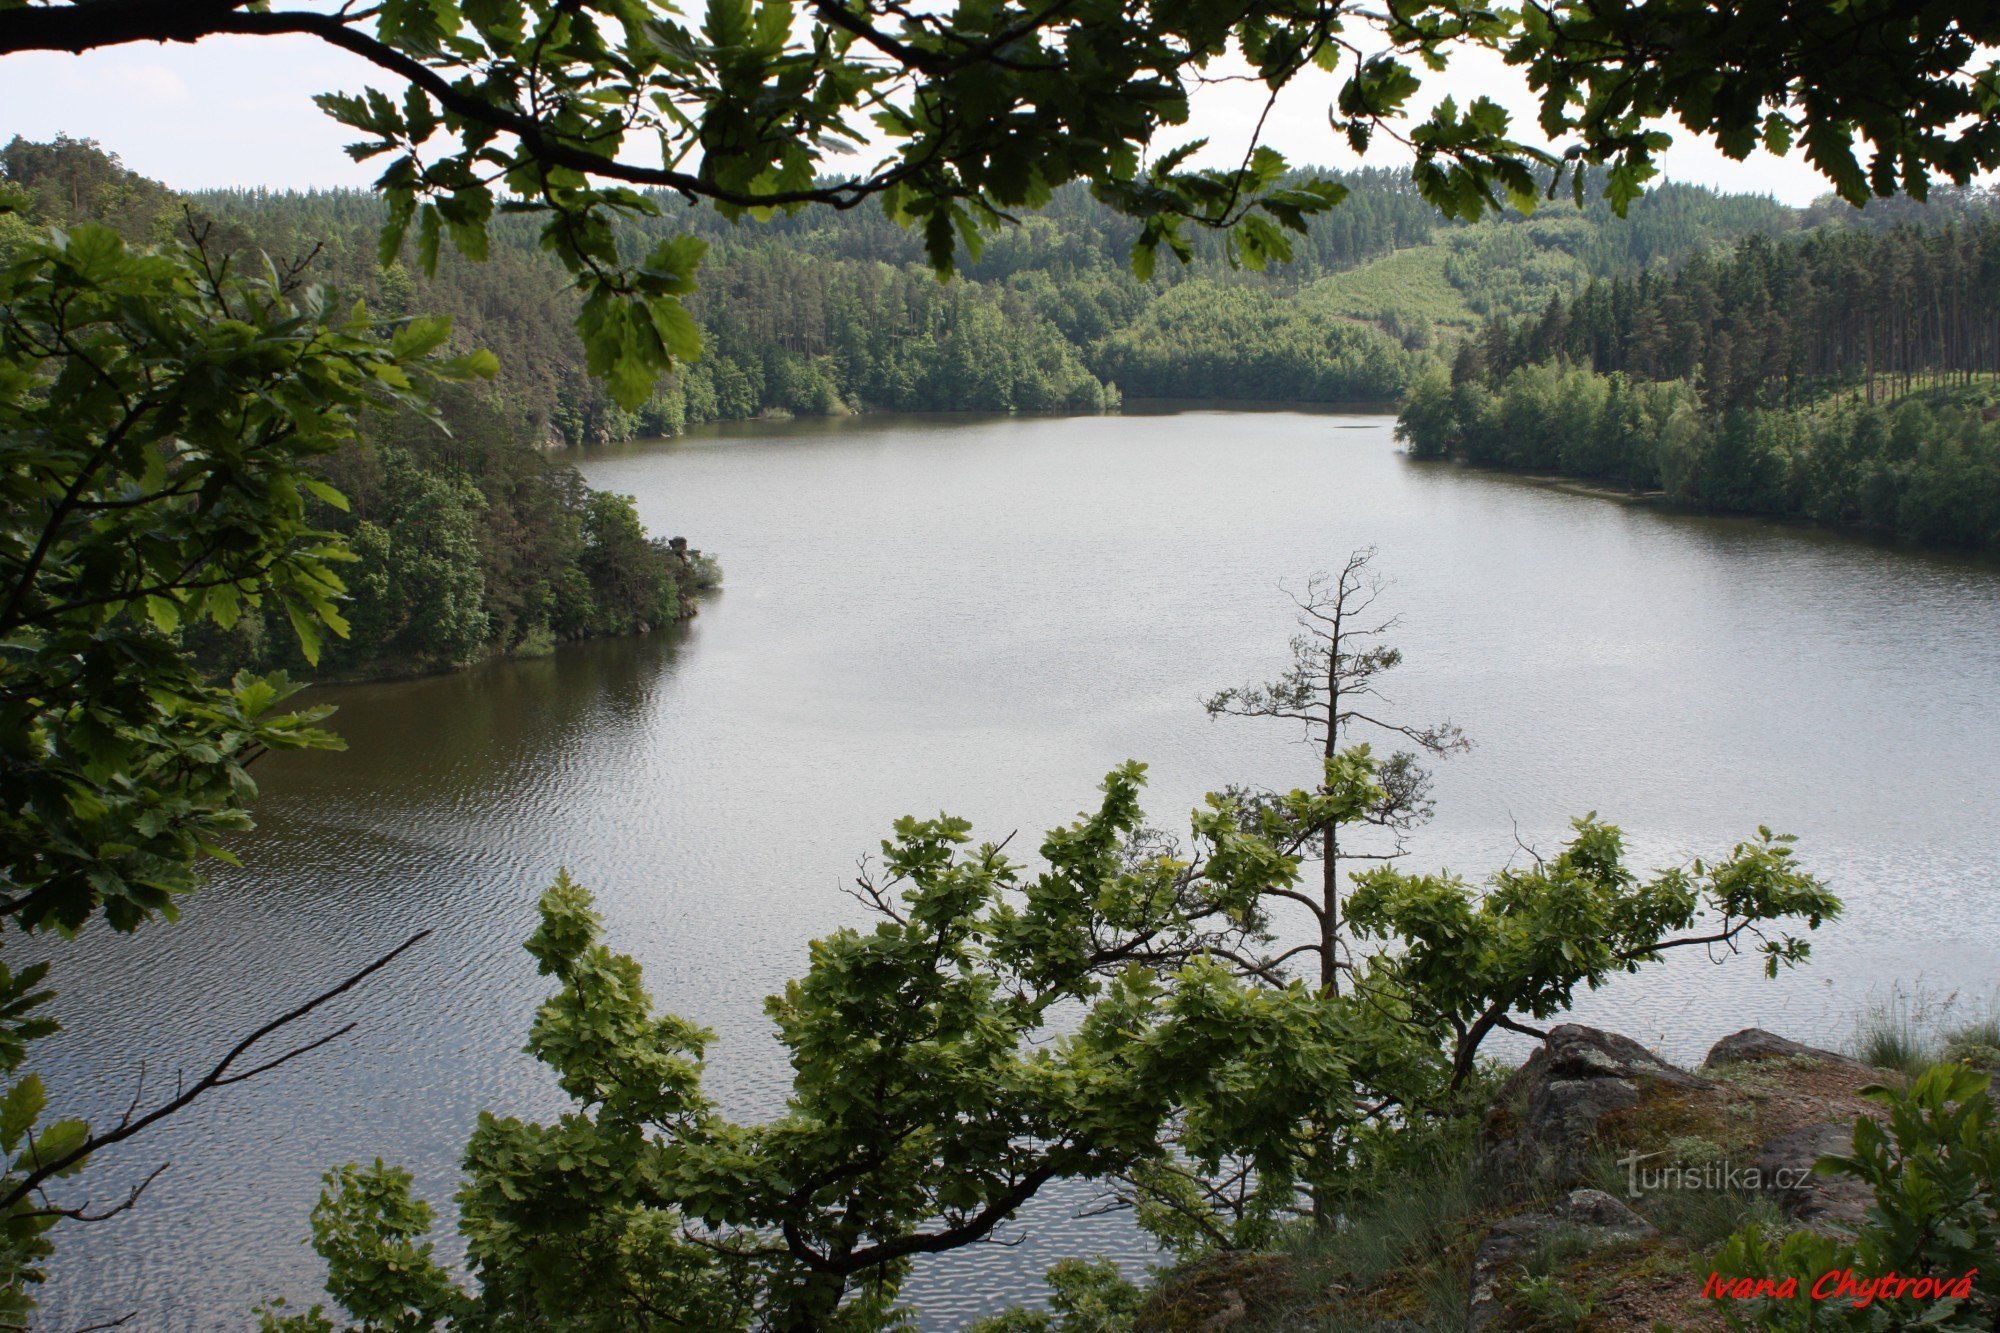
{"points": [[833, 312], [1878, 312], [467, 542], [1849, 375]]}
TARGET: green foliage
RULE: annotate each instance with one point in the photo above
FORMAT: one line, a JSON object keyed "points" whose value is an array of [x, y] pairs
{"points": [[1548, 1302], [1466, 961], [367, 1224], [1410, 1209], [1206, 340], [995, 1031], [417, 585], [1428, 423], [1511, 270], [1934, 1169], [1751, 76], [24, 1225], [1888, 1038], [160, 419], [1085, 1296]]}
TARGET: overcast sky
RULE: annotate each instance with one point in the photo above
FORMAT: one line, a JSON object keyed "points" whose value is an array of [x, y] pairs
{"points": [[237, 111]]}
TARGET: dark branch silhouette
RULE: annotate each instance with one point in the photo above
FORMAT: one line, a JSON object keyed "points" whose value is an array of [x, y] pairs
{"points": [[223, 1073]]}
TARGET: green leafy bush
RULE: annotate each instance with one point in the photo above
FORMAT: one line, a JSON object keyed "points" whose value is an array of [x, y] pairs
{"points": [[1934, 1169]]}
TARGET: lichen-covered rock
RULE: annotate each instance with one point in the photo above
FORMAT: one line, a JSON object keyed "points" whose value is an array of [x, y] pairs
{"points": [[1585, 1219], [1753, 1045], [1543, 1122], [1784, 1166]]}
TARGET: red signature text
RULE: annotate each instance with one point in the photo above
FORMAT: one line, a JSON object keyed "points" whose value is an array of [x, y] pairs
{"points": [[1842, 1284]]}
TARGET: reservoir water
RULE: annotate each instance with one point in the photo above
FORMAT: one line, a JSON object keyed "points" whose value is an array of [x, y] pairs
{"points": [[983, 615]]}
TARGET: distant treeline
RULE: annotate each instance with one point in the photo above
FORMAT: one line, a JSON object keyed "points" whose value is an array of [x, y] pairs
{"points": [[1846, 375], [1660, 350], [829, 312], [1777, 322]]}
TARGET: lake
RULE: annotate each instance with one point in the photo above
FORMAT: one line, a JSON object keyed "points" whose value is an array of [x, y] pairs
{"points": [[984, 615]]}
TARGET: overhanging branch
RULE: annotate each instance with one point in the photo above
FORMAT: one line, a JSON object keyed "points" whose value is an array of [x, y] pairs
{"points": [[223, 1073]]}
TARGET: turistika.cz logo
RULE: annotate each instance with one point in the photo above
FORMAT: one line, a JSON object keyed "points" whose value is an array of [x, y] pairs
{"points": [[1842, 1284]]}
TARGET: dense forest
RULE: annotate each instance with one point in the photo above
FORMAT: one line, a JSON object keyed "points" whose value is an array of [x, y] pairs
{"points": [[1734, 353], [832, 312], [470, 539], [1846, 375]]}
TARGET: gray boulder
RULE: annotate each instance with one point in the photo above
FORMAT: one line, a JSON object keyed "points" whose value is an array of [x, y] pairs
{"points": [[1754, 1045], [1543, 1122], [1582, 1221]]}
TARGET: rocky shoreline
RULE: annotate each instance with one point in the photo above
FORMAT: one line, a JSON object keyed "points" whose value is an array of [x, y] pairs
{"points": [[1583, 1156]]}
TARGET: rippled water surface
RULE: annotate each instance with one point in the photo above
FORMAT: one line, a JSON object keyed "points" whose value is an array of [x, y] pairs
{"points": [[984, 615]]}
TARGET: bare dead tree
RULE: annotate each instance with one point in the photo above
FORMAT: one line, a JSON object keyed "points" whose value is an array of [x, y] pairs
{"points": [[1332, 690]]}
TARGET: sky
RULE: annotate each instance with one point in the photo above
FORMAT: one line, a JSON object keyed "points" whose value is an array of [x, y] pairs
{"points": [[237, 111]]}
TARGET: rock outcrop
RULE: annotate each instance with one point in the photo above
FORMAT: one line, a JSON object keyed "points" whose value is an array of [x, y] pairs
{"points": [[1583, 1221], [1586, 1104], [1753, 1045], [1545, 1120], [1766, 1111]]}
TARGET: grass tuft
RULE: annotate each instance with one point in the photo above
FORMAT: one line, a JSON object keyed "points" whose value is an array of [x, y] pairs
{"points": [[1912, 1028]]}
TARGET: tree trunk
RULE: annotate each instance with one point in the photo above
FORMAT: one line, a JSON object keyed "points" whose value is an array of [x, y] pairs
{"points": [[1329, 921]]}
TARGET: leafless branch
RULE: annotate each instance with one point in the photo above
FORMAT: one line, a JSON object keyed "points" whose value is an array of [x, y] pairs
{"points": [[223, 1073]]}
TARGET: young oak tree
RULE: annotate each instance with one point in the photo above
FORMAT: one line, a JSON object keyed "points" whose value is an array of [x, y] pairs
{"points": [[931, 1095], [994, 1032], [1465, 961]]}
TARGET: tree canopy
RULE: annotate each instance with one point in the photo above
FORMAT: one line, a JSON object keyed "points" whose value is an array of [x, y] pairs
{"points": [[554, 108], [996, 1030]]}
